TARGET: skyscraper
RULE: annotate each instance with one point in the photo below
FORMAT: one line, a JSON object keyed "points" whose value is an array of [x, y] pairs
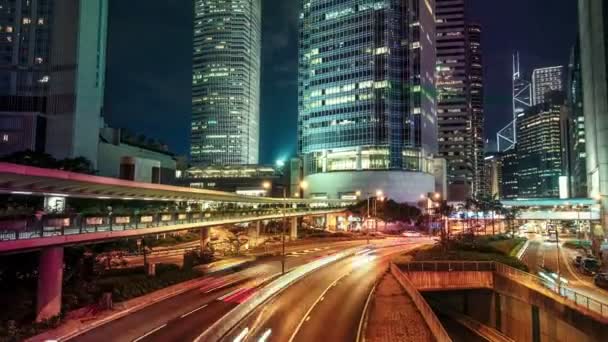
{"points": [[539, 149], [226, 82], [52, 57], [593, 33], [460, 99], [367, 118], [574, 105], [545, 80]]}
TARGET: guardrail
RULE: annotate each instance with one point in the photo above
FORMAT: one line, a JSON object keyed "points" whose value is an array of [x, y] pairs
{"points": [[525, 278], [34, 228], [423, 307]]}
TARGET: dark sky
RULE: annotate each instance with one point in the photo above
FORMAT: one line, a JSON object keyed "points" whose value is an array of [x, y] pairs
{"points": [[149, 64]]}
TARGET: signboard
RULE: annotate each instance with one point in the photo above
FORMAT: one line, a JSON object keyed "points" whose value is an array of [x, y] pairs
{"points": [[54, 204], [123, 219], [94, 221], [146, 219], [182, 216], [166, 217], [196, 216], [58, 222]]}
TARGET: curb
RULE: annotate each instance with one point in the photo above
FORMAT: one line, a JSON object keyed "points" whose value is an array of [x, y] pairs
{"points": [[520, 254]]}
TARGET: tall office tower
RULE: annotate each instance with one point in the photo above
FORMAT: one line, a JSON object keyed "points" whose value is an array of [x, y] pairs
{"points": [[460, 99], [539, 149], [367, 117], [493, 174], [545, 80], [593, 35], [226, 82], [52, 57], [574, 104], [509, 188]]}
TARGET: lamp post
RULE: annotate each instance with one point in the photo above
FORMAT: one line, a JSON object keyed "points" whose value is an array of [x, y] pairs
{"points": [[302, 186], [379, 193]]}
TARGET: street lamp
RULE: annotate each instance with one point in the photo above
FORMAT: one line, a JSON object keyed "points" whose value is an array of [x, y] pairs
{"points": [[267, 185], [379, 194]]}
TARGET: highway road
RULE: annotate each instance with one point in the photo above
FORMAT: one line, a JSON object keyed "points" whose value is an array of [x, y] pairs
{"points": [[326, 305], [542, 254], [185, 316]]}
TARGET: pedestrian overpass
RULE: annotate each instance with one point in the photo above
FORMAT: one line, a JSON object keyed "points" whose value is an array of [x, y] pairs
{"points": [[55, 226], [549, 209]]}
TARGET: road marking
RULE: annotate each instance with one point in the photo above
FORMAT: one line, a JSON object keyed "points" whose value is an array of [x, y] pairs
{"points": [[242, 335], [265, 336], [193, 311], [364, 315], [149, 333], [307, 315], [223, 285], [307, 318]]}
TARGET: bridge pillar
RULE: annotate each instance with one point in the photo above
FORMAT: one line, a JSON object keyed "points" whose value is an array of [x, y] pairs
{"points": [[293, 229], [204, 238], [50, 279], [254, 234]]}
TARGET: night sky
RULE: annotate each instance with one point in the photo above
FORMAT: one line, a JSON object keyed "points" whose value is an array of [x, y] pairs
{"points": [[149, 64]]}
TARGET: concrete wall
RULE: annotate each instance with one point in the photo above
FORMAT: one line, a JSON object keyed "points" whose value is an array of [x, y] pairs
{"points": [[441, 281], [110, 156]]}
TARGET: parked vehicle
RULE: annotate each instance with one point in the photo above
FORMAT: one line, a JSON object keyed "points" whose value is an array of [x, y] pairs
{"points": [[601, 280], [578, 260], [411, 234], [589, 266]]}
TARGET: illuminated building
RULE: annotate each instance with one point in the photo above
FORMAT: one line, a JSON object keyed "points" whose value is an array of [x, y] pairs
{"points": [[593, 30], [367, 107], [52, 57], [545, 80], [460, 99], [226, 82], [539, 149]]}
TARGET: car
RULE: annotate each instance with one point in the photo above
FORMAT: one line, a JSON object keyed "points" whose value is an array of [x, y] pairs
{"points": [[578, 260], [601, 280], [411, 234], [589, 266]]}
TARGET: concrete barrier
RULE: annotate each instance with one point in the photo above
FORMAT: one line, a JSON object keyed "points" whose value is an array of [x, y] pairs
{"points": [[425, 310]]}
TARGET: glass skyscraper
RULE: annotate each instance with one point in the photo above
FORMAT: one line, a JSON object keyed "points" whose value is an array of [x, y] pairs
{"points": [[367, 107], [545, 80], [460, 99], [226, 82]]}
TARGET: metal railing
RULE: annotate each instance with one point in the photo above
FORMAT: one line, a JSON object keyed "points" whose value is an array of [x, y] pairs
{"points": [[32, 227], [547, 286]]}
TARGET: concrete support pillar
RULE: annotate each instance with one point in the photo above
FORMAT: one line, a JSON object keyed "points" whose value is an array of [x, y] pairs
{"points": [[50, 279], [204, 238], [325, 224], [293, 229], [254, 234]]}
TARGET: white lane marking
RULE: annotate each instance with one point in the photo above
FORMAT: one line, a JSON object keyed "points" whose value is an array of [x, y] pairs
{"points": [[307, 315], [242, 335], [364, 315], [223, 285], [265, 335], [149, 333], [193, 311]]}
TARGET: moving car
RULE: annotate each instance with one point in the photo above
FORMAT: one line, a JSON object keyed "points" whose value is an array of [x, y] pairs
{"points": [[411, 234], [601, 280]]}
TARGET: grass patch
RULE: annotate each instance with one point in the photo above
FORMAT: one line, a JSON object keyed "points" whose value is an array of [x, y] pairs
{"points": [[496, 248], [578, 244]]}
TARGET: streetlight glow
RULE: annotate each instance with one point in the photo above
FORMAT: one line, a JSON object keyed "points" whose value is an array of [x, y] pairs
{"points": [[303, 185], [266, 185]]}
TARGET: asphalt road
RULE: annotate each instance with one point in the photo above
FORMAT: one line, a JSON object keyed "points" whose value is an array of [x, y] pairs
{"points": [[326, 305], [185, 316], [545, 254]]}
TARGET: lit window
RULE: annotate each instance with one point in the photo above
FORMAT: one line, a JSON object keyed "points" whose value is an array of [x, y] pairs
{"points": [[5, 137]]}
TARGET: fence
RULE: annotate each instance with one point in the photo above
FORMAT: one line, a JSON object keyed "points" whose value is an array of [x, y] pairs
{"points": [[57, 225], [545, 285]]}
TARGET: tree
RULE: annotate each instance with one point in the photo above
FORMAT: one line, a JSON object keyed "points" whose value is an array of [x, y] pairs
{"points": [[445, 210], [31, 158], [78, 164], [511, 214], [471, 204]]}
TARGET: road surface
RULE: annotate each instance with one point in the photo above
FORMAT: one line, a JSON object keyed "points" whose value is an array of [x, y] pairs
{"points": [[326, 305], [544, 255], [197, 309]]}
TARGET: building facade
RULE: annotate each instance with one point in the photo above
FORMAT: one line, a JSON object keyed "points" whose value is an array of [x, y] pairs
{"points": [[367, 117], [460, 99], [226, 82], [545, 80], [52, 57], [539, 151], [493, 175], [509, 188], [577, 149], [593, 35]]}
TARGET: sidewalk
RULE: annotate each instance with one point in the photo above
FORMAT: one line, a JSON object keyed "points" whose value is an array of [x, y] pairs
{"points": [[90, 319], [393, 317]]}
